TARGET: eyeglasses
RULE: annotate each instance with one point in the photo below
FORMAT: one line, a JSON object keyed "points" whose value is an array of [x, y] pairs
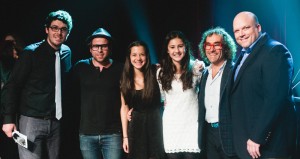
{"points": [[56, 29], [217, 46], [103, 47]]}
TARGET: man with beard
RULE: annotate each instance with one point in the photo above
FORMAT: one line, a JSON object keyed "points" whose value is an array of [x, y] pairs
{"points": [[97, 84]]}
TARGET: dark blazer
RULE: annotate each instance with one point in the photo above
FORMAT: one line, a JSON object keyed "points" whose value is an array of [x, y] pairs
{"points": [[224, 111], [261, 101]]}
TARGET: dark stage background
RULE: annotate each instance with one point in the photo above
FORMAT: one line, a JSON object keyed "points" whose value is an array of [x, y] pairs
{"points": [[151, 20]]}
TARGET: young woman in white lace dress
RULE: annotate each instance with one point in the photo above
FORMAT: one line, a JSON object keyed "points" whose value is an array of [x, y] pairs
{"points": [[178, 79]]}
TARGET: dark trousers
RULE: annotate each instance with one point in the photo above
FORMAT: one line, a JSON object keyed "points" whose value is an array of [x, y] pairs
{"points": [[214, 148], [183, 155], [277, 158]]}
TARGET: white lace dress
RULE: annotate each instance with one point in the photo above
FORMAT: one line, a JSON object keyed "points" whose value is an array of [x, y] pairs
{"points": [[180, 117]]}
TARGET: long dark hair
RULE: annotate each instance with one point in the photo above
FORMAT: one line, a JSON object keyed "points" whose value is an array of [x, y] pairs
{"points": [[7, 48], [168, 69], [127, 79], [6, 54]]}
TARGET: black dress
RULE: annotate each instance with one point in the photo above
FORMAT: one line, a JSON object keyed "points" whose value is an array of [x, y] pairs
{"points": [[145, 129]]}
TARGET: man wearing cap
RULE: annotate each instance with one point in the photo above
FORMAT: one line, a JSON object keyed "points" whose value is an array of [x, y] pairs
{"points": [[98, 82]]}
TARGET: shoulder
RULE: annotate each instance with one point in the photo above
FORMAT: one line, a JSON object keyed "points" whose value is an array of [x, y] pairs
{"points": [[30, 50], [270, 44], [83, 62], [276, 45], [275, 48], [117, 65], [270, 48], [33, 47], [65, 49]]}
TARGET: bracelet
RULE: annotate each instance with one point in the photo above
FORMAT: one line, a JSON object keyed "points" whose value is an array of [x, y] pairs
{"points": [[125, 137]]}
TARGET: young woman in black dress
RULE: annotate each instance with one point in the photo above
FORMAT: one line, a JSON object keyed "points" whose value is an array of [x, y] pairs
{"points": [[142, 136]]}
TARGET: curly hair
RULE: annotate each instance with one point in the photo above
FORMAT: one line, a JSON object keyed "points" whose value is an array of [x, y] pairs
{"points": [[168, 69], [228, 44]]}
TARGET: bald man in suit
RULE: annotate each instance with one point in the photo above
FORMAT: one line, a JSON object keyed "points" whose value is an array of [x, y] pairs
{"points": [[263, 114]]}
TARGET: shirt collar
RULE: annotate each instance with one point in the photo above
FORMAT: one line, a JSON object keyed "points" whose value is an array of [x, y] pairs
{"points": [[221, 68], [102, 66]]}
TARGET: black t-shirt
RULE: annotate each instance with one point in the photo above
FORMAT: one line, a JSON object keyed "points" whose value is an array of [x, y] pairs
{"points": [[100, 99]]}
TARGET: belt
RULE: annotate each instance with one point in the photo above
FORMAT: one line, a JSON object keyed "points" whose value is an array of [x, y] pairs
{"points": [[214, 125], [45, 117]]}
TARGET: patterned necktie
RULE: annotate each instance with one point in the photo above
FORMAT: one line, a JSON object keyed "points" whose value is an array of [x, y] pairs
{"points": [[58, 112]]}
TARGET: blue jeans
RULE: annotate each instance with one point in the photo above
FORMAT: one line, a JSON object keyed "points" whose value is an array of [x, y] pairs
{"points": [[93, 146], [42, 135]]}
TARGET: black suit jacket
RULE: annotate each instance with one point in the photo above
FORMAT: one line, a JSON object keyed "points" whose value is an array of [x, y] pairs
{"points": [[224, 111], [261, 101]]}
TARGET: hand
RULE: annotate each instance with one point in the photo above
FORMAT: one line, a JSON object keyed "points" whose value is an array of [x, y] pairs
{"points": [[253, 149], [129, 114], [198, 67], [125, 145], [8, 129], [157, 65]]}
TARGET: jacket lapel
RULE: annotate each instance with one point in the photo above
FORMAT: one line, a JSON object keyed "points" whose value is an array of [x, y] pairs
{"points": [[250, 58], [204, 79], [225, 77]]}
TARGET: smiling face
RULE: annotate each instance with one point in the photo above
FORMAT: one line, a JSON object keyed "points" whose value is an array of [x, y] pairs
{"points": [[56, 38], [246, 29], [176, 50], [100, 50], [138, 57], [214, 53]]}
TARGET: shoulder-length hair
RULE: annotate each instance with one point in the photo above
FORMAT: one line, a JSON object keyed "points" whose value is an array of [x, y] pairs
{"points": [[168, 69], [127, 78]]}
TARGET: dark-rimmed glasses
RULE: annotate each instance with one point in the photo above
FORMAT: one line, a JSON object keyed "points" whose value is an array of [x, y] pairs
{"points": [[103, 47], [56, 29]]}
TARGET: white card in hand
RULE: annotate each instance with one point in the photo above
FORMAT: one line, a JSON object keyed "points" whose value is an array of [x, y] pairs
{"points": [[19, 138]]}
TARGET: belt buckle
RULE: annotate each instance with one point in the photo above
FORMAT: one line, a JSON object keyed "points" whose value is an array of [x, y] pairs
{"points": [[47, 118], [214, 125]]}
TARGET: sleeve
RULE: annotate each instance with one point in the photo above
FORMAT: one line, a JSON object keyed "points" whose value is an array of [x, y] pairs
{"points": [[198, 67], [277, 70], [12, 90], [66, 56], [75, 85], [162, 93]]}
